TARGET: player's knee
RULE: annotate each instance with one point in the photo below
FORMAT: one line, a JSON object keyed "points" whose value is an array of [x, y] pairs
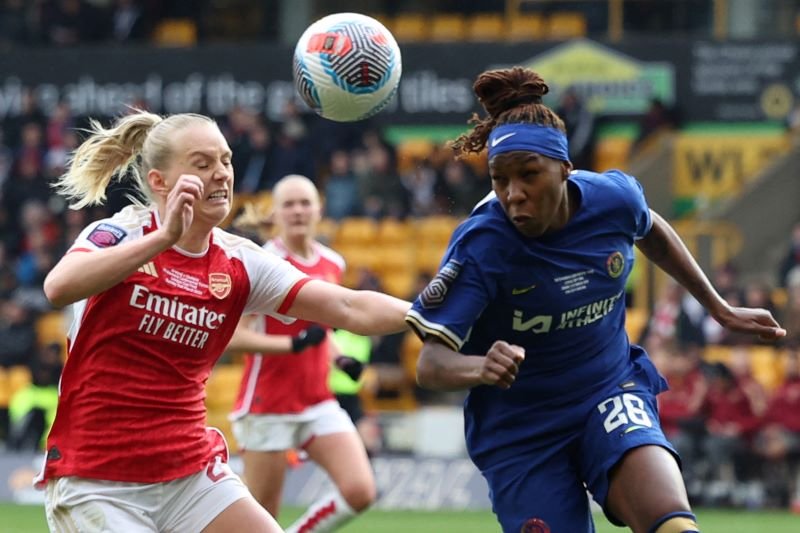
{"points": [[678, 522], [359, 496]]}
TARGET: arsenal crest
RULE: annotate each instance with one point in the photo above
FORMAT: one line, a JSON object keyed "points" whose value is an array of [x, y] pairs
{"points": [[219, 284]]}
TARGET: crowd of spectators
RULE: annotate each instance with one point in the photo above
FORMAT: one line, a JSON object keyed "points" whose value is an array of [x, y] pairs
{"points": [[733, 408]]}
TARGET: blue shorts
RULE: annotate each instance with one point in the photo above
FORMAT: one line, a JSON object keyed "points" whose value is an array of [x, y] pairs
{"points": [[548, 486]]}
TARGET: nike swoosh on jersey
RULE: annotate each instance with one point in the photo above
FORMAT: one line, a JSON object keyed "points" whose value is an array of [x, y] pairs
{"points": [[632, 429], [498, 140], [523, 290]]}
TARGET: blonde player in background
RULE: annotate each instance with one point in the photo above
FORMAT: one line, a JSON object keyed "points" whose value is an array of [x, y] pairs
{"points": [[285, 401], [158, 291]]}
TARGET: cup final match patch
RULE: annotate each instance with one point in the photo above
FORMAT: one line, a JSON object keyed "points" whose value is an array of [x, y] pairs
{"points": [[433, 295], [105, 235], [219, 284]]}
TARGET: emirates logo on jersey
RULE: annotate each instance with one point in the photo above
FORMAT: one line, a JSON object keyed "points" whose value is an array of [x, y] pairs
{"points": [[219, 284]]}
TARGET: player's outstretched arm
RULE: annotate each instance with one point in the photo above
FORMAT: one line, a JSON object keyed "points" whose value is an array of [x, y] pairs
{"points": [[665, 248], [247, 340], [441, 368], [79, 275], [359, 311]]}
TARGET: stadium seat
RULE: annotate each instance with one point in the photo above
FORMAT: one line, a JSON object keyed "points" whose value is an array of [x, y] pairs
{"points": [[18, 377], [50, 328], [356, 231], [448, 27], [222, 386], [635, 321], [326, 230], [5, 389], [765, 365], [714, 353], [393, 231], [394, 388], [410, 152], [358, 256], [393, 258], [612, 152], [486, 27], [525, 27], [428, 257], [175, 32], [410, 27], [436, 229], [398, 284], [566, 25]]}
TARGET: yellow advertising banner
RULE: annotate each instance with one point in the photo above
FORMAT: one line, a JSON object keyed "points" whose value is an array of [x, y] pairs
{"points": [[713, 167]]}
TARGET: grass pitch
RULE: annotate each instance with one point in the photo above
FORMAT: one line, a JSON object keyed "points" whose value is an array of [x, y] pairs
{"points": [[30, 519]]}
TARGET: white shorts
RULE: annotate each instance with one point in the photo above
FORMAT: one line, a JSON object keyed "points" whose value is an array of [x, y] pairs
{"points": [[188, 504], [269, 433]]}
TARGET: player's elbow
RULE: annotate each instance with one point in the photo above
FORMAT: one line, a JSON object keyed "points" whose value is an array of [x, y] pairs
{"points": [[56, 291], [426, 373]]}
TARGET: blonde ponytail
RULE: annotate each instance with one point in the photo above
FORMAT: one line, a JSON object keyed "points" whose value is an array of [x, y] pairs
{"points": [[104, 155]]}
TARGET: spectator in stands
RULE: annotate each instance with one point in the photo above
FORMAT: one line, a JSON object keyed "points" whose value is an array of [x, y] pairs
{"points": [[778, 443], [791, 310], [733, 409], [658, 117], [28, 113], [579, 121], [71, 22], [461, 188], [680, 407], [676, 317], [128, 22], [380, 188], [792, 258], [256, 170], [17, 333], [420, 183], [341, 188]]}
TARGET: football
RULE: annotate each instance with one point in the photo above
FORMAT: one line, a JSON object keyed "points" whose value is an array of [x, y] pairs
{"points": [[347, 66]]}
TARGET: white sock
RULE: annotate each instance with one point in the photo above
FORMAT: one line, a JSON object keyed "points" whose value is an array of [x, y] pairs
{"points": [[325, 514]]}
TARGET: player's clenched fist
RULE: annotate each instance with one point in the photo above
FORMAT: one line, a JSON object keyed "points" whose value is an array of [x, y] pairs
{"points": [[180, 203], [501, 364]]}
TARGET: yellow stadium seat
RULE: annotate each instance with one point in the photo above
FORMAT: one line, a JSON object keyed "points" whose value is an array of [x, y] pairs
{"points": [[765, 365], [635, 321], [525, 27], [356, 231], [410, 27], [175, 32], [411, 152], [612, 152], [389, 257], [398, 382], [397, 232], [222, 387], [18, 377], [448, 28], [566, 25], [428, 256], [326, 230], [436, 229], [714, 354], [358, 256], [398, 284], [486, 27], [50, 328], [5, 389]]}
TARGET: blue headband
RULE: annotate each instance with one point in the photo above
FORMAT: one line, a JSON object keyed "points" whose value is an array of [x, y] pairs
{"points": [[529, 138]]}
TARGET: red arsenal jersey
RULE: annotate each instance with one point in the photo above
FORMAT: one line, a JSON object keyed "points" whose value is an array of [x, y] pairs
{"points": [[290, 383], [131, 405]]}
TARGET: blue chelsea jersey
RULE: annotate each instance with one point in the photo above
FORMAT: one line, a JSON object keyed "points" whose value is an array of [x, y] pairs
{"points": [[560, 296]]}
